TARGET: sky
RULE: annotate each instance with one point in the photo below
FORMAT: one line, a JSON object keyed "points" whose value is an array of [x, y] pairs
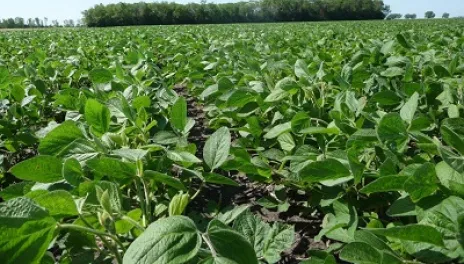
{"points": [[71, 9]]}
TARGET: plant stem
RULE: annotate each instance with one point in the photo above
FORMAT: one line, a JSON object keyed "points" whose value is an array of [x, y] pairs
{"points": [[98, 233], [198, 191], [132, 221], [208, 242], [142, 202]]}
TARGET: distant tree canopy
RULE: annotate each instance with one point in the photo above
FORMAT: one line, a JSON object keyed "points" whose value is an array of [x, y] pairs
{"points": [[410, 16], [394, 16], [445, 15], [165, 13], [429, 14], [20, 22]]}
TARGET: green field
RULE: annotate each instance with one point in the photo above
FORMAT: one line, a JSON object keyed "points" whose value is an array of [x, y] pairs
{"points": [[330, 142]]}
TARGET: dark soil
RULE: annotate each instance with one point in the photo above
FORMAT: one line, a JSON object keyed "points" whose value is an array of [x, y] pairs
{"points": [[307, 223]]}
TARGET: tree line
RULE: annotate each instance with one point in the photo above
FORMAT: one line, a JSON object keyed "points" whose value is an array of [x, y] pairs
{"points": [[164, 13], [428, 14], [19, 22]]}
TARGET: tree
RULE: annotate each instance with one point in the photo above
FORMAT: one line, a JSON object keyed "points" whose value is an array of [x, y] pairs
{"points": [[445, 15], [429, 14], [393, 16], [46, 21], [410, 16]]}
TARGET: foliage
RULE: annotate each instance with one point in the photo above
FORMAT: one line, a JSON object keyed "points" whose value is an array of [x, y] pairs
{"points": [[359, 121], [165, 13], [410, 16], [429, 14], [445, 15], [394, 16]]}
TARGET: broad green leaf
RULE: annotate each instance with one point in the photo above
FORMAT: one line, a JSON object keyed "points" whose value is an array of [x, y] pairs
{"points": [[219, 179], [386, 98], [230, 244], [97, 116], [417, 233], [447, 176], [276, 95], [44, 169], [360, 252], [423, 183], [392, 72], [392, 131], [112, 168], [232, 214], [403, 42], [301, 69], [165, 179], [178, 117], [286, 84], [278, 130], [453, 160], [72, 172], [27, 230], [286, 142], [178, 204], [254, 229], [409, 108], [100, 76], [318, 171], [58, 203], [321, 130], [16, 190], [279, 239], [217, 148], [371, 239], [182, 156], [385, 184], [402, 207], [452, 131], [169, 240], [58, 141], [132, 155]]}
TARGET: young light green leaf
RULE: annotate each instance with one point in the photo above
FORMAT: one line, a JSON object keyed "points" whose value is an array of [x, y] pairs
{"points": [[278, 130], [178, 204], [59, 140], [217, 148], [169, 240], [182, 156], [409, 108], [286, 142], [58, 203]]}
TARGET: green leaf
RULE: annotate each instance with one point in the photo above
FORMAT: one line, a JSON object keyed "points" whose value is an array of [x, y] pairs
{"points": [[392, 72], [132, 155], [100, 76], [229, 244], [402, 207], [58, 141], [454, 161], [286, 142], [422, 183], [15, 190], [178, 204], [301, 69], [44, 169], [279, 239], [278, 130], [329, 169], [409, 108], [182, 156], [178, 117], [392, 131], [386, 98], [72, 172], [254, 229], [276, 95], [217, 148], [112, 168], [232, 214], [447, 176], [417, 233], [452, 131], [385, 184], [97, 116], [169, 240], [321, 130], [362, 253], [286, 84], [403, 42], [165, 179], [58, 203], [219, 179], [27, 230], [371, 239]]}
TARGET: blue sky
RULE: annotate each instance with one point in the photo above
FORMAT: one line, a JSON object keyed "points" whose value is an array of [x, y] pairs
{"points": [[62, 9]]}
